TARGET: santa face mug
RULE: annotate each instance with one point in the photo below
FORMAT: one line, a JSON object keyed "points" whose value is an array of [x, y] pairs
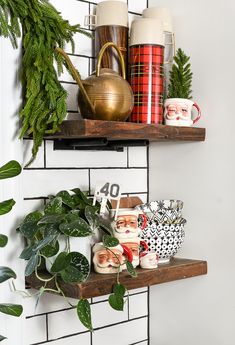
{"points": [[178, 112], [126, 224]]}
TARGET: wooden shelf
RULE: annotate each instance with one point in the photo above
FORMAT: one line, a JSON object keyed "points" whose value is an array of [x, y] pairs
{"points": [[113, 130], [101, 284]]}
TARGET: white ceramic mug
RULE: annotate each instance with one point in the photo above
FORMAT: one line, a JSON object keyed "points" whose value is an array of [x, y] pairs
{"points": [[178, 112], [108, 13]]}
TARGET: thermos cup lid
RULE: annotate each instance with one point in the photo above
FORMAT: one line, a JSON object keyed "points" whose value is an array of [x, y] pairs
{"points": [[161, 13], [146, 31], [112, 13]]}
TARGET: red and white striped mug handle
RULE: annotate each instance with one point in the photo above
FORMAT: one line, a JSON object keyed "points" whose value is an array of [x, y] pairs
{"points": [[198, 112]]}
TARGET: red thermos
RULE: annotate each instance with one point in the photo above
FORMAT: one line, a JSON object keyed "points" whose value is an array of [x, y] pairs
{"points": [[147, 70]]}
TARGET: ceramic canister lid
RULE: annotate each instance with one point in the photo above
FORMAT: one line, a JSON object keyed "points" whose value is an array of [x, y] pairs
{"points": [[161, 13], [146, 31]]}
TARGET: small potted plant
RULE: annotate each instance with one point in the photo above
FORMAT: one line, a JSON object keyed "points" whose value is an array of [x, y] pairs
{"points": [[178, 105], [60, 237]]}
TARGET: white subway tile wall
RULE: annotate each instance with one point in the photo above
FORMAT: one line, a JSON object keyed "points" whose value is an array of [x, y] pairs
{"points": [[54, 322]]}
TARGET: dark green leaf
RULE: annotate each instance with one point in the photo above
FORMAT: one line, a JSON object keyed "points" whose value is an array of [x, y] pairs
{"points": [[11, 309], [79, 261], [131, 269], [84, 313], [72, 216], [50, 250], [32, 264], [116, 302], [51, 230], [11, 169], [72, 275], [61, 262], [78, 228], [6, 273], [27, 252], [3, 240], [44, 242], [92, 217], [51, 219], [82, 196], [110, 241], [119, 289], [29, 229], [6, 206], [66, 198], [54, 206], [33, 217], [2, 338]]}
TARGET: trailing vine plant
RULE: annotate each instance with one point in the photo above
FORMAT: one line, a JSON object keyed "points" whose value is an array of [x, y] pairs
{"points": [[65, 216], [11, 169], [43, 30]]}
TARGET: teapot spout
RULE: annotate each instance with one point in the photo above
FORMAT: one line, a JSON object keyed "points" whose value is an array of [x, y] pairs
{"points": [[76, 78]]}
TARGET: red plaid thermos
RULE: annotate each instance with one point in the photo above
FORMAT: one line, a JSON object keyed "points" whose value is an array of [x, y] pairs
{"points": [[146, 70]]}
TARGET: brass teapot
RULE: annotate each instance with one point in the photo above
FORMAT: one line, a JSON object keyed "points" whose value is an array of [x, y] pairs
{"points": [[104, 95]]}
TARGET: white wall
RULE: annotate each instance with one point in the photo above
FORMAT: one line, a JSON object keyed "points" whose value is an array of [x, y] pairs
{"points": [[201, 310]]}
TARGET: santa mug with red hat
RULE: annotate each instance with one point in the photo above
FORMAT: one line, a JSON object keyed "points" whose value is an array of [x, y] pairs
{"points": [[110, 259], [125, 224]]}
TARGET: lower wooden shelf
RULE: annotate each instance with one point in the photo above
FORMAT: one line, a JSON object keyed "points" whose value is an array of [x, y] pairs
{"points": [[101, 284]]}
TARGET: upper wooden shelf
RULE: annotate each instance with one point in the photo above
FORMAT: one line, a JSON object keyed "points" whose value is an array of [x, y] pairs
{"points": [[113, 130], [101, 284]]}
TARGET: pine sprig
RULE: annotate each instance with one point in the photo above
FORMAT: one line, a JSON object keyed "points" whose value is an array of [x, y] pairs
{"points": [[180, 77], [43, 29]]}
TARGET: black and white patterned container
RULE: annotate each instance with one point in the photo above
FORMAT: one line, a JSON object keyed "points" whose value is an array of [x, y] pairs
{"points": [[164, 232]]}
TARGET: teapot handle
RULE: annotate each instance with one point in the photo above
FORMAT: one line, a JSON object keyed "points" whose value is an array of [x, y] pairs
{"points": [[101, 53], [76, 77]]}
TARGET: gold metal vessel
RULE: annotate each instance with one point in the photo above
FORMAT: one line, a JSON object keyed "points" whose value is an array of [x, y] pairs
{"points": [[104, 95]]}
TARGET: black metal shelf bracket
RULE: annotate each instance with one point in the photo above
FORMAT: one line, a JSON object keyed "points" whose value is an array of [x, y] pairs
{"points": [[94, 144]]}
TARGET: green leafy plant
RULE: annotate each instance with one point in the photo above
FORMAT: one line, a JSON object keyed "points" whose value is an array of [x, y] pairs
{"points": [[11, 169], [43, 29], [180, 77], [66, 215]]}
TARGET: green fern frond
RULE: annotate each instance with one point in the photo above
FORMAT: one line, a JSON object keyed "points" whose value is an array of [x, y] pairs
{"points": [[44, 29]]}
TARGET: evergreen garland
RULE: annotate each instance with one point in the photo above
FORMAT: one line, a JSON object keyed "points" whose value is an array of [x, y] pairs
{"points": [[43, 30], [180, 77]]}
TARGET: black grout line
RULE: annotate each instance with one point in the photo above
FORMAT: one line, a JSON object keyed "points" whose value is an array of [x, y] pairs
{"points": [[121, 322], [91, 168], [139, 342], [128, 307], [134, 294], [47, 331], [36, 198], [128, 157], [91, 338], [68, 82], [135, 13], [44, 156], [89, 180], [70, 308], [95, 329], [148, 321]]}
